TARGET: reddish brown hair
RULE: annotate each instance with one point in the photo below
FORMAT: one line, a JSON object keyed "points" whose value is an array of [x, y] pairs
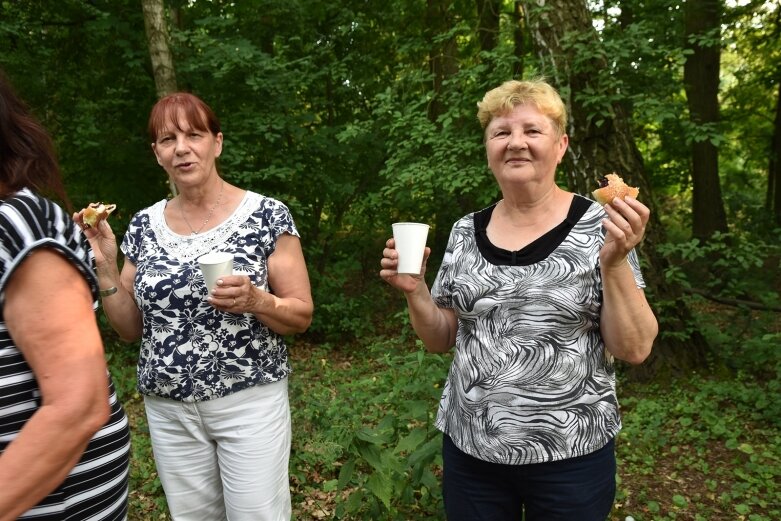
{"points": [[27, 157], [168, 109]]}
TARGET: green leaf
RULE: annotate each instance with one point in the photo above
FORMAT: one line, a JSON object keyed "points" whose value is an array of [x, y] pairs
{"points": [[371, 454], [426, 452], [412, 441], [346, 473], [381, 486], [746, 448], [375, 437]]}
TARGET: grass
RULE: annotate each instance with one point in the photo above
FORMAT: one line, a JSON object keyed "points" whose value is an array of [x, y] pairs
{"points": [[706, 447]]}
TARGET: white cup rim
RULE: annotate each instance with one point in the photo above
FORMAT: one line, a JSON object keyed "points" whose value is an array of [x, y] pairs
{"points": [[215, 257], [410, 224]]}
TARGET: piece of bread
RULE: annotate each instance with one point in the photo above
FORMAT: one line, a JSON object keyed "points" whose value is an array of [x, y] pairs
{"points": [[612, 186], [95, 212]]}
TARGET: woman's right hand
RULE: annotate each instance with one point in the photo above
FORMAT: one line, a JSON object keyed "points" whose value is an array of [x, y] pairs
{"points": [[102, 240], [389, 263]]}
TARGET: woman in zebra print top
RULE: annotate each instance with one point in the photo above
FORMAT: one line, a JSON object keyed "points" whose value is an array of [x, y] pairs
{"points": [[538, 294], [64, 437]]}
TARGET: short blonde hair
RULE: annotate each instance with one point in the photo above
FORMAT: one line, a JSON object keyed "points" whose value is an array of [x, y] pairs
{"points": [[537, 92]]}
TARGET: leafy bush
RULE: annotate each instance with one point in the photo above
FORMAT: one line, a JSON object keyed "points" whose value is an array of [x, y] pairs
{"points": [[739, 274], [705, 449], [364, 427]]}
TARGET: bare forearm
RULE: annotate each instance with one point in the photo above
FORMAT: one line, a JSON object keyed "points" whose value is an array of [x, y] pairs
{"points": [[120, 307], [436, 327], [628, 324], [41, 457], [123, 315], [284, 316], [48, 311]]}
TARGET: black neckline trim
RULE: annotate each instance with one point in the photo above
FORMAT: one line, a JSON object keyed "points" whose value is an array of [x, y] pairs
{"points": [[537, 250]]}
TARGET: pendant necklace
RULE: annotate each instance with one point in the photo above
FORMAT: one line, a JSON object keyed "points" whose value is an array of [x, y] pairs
{"points": [[208, 217]]}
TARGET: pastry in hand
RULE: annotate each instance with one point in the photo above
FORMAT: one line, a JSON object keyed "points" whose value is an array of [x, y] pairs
{"points": [[96, 212], [612, 186]]}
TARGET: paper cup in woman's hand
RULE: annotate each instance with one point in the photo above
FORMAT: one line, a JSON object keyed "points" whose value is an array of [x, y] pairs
{"points": [[215, 265], [410, 241]]}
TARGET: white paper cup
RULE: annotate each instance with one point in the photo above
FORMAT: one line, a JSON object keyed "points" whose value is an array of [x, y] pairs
{"points": [[215, 265], [410, 244]]}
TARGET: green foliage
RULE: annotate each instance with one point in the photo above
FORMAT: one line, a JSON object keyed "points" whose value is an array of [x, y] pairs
{"points": [[711, 447], [733, 259], [81, 66], [329, 107], [364, 445], [147, 500], [742, 271], [364, 418]]}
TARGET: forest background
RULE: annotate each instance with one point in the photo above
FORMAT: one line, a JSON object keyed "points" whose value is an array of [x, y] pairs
{"points": [[360, 113]]}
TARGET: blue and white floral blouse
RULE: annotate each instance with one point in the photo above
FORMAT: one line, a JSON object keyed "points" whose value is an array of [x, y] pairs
{"points": [[190, 351]]}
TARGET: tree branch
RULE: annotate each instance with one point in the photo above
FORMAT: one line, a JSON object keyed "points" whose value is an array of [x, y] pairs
{"points": [[733, 301]]}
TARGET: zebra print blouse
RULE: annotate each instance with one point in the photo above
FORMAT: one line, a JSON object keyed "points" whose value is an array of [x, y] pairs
{"points": [[97, 487], [529, 381]]}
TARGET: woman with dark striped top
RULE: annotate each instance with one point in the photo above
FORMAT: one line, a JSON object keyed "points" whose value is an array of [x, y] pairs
{"points": [[64, 437], [537, 293]]}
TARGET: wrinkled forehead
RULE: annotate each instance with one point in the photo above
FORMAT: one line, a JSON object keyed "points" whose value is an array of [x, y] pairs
{"points": [[528, 113]]}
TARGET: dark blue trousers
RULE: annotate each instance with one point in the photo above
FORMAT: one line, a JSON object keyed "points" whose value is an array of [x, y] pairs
{"points": [[575, 489]]}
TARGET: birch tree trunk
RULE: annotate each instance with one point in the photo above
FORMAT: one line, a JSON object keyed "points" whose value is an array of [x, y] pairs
{"points": [[601, 142], [160, 53]]}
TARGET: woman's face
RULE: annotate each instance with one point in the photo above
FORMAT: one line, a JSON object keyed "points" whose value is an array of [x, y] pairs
{"points": [[522, 146], [186, 153]]}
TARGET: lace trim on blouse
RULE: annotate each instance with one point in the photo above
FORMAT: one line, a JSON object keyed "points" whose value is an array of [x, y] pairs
{"points": [[188, 247]]}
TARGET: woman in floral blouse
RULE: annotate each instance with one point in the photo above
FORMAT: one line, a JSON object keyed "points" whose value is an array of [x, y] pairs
{"points": [[213, 366]]}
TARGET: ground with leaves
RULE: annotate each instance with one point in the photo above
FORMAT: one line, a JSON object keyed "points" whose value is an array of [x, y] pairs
{"points": [[700, 448]]}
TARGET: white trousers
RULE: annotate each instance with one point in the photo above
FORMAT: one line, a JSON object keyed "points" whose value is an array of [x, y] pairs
{"points": [[224, 459]]}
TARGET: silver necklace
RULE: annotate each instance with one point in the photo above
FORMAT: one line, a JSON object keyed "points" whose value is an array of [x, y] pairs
{"points": [[208, 217]]}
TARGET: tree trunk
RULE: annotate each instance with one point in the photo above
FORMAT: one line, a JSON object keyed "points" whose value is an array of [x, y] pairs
{"points": [[519, 47], [602, 144], [442, 65], [702, 19], [157, 38], [442, 56], [160, 53], [488, 23], [774, 168]]}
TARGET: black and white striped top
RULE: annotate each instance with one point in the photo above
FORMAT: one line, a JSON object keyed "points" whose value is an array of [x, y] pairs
{"points": [[97, 487], [529, 381]]}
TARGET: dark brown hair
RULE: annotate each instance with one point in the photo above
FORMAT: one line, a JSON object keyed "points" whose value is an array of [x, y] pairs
{"points": [[27, 158], [168, 109]]}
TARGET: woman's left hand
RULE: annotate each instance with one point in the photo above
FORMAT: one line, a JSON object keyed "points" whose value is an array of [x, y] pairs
{"points": [[289, 308], [235, 294], [625, 228]]}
